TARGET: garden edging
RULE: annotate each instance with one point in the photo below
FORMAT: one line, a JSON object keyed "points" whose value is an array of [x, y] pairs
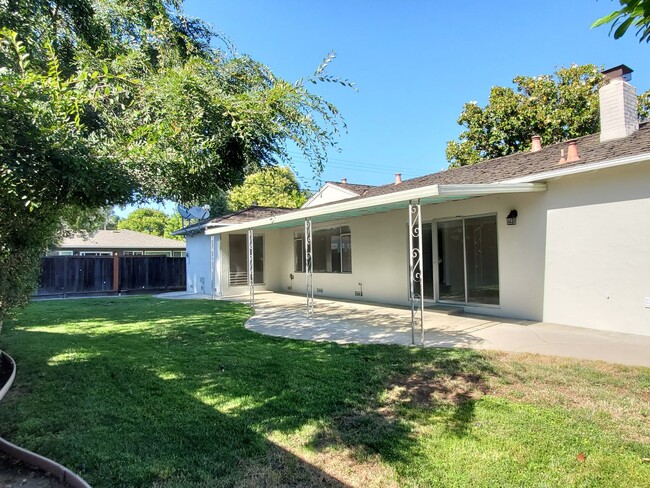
{"points": [[59, 471]]}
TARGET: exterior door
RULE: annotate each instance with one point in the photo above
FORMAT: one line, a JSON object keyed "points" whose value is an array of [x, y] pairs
{"points": [[468, 260], [239, 259]]}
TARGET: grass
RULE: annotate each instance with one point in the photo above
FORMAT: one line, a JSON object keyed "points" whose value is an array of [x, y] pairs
{"points": [[131, 392]]}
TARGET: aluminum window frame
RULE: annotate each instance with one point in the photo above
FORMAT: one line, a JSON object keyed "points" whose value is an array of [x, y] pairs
{"points": [[436, 276], [315, 231]]}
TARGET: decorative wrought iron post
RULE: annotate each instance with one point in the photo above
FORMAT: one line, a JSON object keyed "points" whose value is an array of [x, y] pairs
{"points": [[213, 270], [251, 269], [415, 269], [309, 269]]}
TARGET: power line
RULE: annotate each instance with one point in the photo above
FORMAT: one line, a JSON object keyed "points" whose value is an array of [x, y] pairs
{"points": [[367, 169], [400, 166]]}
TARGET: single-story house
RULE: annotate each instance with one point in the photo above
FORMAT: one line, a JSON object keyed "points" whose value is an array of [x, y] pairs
{"points": [[119, 242], [559, 234]]}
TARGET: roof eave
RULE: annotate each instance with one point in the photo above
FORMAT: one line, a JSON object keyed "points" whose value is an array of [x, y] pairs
{"points": [[581, 168], [379, 202]]}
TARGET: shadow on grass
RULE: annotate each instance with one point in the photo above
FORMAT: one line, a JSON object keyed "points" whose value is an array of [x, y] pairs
{"points": [[188, 398]]}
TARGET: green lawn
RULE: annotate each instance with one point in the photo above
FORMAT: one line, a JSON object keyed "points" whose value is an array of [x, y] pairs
{"points": [[130, 392]]}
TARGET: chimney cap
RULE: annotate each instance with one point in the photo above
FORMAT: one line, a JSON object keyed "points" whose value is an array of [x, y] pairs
{"points": [[620, 71]]}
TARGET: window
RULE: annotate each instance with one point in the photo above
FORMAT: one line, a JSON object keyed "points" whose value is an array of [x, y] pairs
{"points": [[95, 253], [64, 253], [158, 253], [132, 253], [179, 254], [299, 252], [239, 259], [331, 249]]}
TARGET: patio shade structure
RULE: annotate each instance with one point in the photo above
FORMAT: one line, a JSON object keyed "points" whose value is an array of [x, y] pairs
{"points": [[409, 199]]}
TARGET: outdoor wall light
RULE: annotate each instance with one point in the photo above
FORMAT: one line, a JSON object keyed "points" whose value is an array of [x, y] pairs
{"points": [[511, 219]]}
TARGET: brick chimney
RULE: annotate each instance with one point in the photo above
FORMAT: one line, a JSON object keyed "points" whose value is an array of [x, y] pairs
{"points": [[536, 144], [618, 105], [398, 178]]}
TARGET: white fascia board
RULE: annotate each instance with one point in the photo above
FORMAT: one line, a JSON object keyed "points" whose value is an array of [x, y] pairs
{"points": [[582, 168], [390, 198]]}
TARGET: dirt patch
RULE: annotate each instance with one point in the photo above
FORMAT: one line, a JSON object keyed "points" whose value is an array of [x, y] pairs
{"points": [[14, 474], [431, 387], [295, 466]]}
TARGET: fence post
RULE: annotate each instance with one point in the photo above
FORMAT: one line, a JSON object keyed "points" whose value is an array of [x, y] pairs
{"points": [[116, 272], [65, 275], [166, 273]]}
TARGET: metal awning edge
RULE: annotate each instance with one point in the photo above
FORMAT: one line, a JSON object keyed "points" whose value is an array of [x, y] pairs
{"points": [[449, 191]]}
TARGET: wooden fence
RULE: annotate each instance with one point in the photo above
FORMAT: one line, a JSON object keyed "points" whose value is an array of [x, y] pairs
{"points": [[72, 275]]}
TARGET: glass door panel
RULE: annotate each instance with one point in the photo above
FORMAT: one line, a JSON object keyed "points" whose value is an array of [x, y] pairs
{"points": [[451, 264], [468, 260], [482, 260]]}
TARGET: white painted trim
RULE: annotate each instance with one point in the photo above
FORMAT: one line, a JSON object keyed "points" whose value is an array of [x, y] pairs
{"points": [[430, 191], [323, 188], [582, 168]]}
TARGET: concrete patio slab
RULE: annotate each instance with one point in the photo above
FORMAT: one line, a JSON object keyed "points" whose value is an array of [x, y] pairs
{"points": [[283, 315]]}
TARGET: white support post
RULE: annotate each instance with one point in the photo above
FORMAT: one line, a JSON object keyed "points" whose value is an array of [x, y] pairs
{"points": [[251, 269], [415, 269], [213, 271], [309, 269]]}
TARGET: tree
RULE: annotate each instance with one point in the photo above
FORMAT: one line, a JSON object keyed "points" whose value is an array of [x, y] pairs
{"points": [[633, 13], [270, 187], [106, 102], [145, 220], [556, 107], [174, 222]]}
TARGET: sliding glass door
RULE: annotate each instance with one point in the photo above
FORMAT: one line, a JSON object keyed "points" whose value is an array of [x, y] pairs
{"points": [[468, 260]]}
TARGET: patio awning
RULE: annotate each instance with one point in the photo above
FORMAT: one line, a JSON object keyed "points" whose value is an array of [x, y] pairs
{"points": [[382, 203]]}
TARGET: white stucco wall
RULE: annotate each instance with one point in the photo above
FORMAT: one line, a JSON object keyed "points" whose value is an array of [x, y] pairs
{"points": [[198, 263], [579, 254], [380, 255], [598, 250]]}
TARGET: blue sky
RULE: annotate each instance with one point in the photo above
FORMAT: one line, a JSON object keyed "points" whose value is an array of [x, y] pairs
{"points": [[415, 64]]}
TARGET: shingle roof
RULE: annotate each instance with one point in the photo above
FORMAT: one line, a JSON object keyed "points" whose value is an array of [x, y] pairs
{"points": [[247, 215], [356, 188], [120, 239], [590, 148]]}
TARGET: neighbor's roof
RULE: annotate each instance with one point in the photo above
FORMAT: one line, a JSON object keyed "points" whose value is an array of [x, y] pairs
{"points": [[241, 216], [517, 173], [120, 239]]}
